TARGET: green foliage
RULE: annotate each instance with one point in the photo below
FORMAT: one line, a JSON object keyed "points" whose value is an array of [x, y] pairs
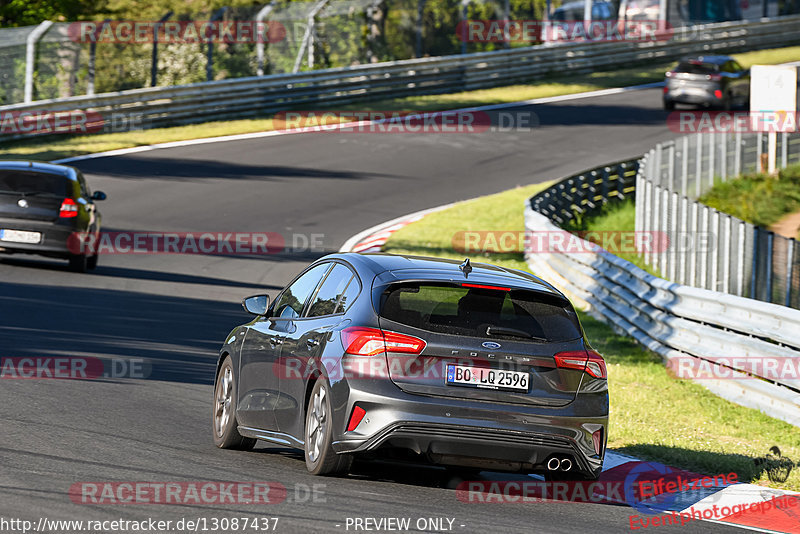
{"points": [[759, 199], [616, 218], [30, 12]]}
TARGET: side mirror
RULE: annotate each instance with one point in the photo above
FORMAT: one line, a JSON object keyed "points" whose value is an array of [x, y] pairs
{"points": [[98, 195], [257, 304]]}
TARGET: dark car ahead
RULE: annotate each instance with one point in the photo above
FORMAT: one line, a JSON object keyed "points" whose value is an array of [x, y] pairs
{"points": [[48, 210], [710, 81], [470, 366]]}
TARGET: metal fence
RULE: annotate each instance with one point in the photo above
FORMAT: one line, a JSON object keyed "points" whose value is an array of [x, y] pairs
{"points": [[261, 95], [585, 194], [310, 34], [707, 248], [725, 332]]}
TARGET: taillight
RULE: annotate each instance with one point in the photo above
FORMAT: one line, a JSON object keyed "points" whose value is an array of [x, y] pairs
{"points": [[597, 440], [356, 417], [482, 286], [69, 208], [666, 89], [717, 94], [582, 360], [363, 341]]}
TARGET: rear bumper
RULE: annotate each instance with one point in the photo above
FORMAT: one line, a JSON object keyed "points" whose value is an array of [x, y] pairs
{"points": [[463, 432], [692, 96], [53, 242]]}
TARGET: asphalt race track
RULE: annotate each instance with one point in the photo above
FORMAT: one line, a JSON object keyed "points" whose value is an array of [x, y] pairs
{"points": [[175, 310]]}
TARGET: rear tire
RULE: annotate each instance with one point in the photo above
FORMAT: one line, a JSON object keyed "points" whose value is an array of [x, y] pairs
{"points": [[91, 262], [669, 105], [223, 418], [78, 263], [321, 459]]}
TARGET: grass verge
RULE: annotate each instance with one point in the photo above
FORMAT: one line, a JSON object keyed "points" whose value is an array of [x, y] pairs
{"points": [[759, 199], [614, 220], [50, 149], [653, 415]]}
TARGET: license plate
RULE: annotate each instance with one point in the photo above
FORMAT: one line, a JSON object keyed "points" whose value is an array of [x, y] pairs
{"points": [[19, 236], [481, 377]]}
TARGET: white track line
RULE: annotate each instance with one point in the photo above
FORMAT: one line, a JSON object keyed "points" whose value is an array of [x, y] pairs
{"points": [[363, 235]]}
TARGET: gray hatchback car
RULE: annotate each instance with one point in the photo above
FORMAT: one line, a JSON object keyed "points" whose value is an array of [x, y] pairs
{"points": [[471, 366], [709, 81]]}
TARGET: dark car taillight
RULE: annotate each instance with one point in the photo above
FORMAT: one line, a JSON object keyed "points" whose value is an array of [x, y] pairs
{"points": [[69, 208], [582, 360], [363, 341]]}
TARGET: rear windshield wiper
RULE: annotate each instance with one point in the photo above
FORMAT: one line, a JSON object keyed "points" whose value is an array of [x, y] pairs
{"points": [[493, 330]]}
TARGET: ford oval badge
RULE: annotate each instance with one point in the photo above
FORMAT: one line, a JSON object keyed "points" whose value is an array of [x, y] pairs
{"points": [[491, 345]]}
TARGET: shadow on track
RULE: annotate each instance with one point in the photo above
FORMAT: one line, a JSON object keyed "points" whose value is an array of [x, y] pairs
{"points": [[154, 168], [179, 337]]}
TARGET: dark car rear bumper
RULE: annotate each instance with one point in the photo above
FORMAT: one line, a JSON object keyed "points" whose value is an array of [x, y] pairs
{"points": [[53, 242], [462, 432]]}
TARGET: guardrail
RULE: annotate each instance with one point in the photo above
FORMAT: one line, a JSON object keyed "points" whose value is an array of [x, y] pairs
{"points": [[715, 250], [729, 336], [257, 96]]}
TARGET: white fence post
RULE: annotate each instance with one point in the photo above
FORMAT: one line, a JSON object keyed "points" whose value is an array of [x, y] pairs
{"points": [[259, 18], [30, 57]]}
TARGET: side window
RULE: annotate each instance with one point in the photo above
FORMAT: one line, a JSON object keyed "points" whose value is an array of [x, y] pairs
{"points": [[350, 294], [736, 67], [294, 297], [84, 188], [326, 300]]}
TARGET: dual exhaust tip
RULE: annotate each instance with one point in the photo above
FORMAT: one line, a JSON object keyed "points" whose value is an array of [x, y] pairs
{"points": [[559, 464]]}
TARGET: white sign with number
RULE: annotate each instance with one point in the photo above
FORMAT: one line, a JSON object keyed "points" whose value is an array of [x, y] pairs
{"points": [[773, 97]]}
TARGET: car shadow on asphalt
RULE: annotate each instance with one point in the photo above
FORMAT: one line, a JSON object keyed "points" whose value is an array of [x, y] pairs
{"points": [[144, 167], [177, 338], [132, 273]]}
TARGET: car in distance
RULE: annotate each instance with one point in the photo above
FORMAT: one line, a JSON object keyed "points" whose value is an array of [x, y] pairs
{"points": [[470, 366], [45, 209], [710, 81]]}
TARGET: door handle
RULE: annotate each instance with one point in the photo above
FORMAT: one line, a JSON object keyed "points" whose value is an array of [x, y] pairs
{"points": [[275, 340], [312, 342]]}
